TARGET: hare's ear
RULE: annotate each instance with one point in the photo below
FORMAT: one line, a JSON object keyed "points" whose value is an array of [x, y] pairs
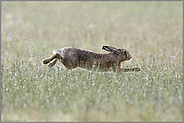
{"points": [[110, 49]]}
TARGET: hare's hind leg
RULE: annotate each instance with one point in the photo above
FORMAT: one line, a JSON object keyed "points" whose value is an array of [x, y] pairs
{"points": [[46, 61], [51, 64]]}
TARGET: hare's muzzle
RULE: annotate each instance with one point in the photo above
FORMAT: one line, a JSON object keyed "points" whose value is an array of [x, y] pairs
{"points": [[129, 57]]}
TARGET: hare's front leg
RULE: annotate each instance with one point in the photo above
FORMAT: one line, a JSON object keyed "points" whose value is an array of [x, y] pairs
{"points": [[46, 61], [116, 67], [132, 69]]}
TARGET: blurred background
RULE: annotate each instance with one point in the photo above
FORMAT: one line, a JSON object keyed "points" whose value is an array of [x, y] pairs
{"points": [[151, 31], [143, 28]]}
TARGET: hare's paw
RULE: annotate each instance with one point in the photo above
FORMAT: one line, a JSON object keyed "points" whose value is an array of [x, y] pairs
{"points": [[46, 61], [137, 69]]}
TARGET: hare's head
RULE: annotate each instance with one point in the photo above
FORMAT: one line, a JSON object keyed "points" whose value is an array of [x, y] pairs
{"points": [[122, 53]]}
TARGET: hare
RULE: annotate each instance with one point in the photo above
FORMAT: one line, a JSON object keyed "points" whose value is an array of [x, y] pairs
{"points": [[72, 57]]}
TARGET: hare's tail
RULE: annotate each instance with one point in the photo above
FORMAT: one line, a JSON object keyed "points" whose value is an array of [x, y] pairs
{"points": [[55, 51], [59, 51]]}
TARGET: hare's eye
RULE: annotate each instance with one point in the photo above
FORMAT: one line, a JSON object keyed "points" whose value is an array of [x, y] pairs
{"points": [[124, 52]]}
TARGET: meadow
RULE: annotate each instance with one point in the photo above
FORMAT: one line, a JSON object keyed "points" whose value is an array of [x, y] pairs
{"points": [[151, 31]]}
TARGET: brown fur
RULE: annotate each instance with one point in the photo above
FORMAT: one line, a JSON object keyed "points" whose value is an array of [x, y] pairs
{"points": [[72, 57]]}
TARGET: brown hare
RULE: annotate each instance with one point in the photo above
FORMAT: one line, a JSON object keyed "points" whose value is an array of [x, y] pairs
{"points": [[72, 57]]}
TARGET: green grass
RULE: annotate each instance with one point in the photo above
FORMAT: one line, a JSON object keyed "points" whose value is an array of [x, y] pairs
{"points": [[150, 31]]}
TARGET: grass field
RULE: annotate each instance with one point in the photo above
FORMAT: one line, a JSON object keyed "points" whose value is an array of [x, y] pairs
{"points": [[151, 31]]}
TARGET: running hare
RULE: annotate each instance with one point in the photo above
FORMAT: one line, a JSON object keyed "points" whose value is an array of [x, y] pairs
{"points": [[72, 57]]}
